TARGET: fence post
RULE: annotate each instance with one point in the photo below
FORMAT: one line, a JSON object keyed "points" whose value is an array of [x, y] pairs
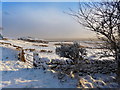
{"points": [[22, 57]]}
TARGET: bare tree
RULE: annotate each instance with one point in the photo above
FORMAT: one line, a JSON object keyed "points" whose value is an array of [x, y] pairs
{"points": [[103, 18]]}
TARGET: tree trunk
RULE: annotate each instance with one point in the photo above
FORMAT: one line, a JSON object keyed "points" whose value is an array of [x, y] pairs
{"points": [[118, 69]]}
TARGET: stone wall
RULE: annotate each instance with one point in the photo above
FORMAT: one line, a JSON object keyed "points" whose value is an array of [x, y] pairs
{"points": [[84, 67]]}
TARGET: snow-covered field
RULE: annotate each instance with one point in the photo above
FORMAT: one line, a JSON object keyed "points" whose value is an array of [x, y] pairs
{"points": [[17, 74]]}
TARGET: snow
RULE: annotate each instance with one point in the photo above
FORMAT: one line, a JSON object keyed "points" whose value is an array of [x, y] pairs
{"points": [[24, 78], [99, 80], [0, 66], [17, 74], [11, 53]]}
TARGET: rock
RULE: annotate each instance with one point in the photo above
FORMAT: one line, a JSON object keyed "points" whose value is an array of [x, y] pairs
{"points": [[69, 62], [46, 60], [81, 74], [53, 66], [100, 83], [61, 76], [87, 62]]}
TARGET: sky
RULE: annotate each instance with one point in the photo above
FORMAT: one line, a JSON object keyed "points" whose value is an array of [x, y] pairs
{"points": [[0, 15], [45, 20]]}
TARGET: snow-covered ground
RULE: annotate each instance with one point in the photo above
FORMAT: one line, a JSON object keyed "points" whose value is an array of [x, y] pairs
{"points": [[17, 74]]}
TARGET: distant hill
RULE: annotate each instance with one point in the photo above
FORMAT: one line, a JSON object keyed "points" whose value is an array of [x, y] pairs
{"points": [[31, 39]]}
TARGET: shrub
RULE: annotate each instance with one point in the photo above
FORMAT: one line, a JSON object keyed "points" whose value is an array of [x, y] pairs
{"points": [[73, 51]]}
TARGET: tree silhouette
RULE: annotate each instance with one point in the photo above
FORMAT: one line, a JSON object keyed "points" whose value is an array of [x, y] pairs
{"points": [[103, 18]]}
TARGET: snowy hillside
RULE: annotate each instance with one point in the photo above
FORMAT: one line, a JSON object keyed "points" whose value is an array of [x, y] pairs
{"points": [[17, 74]]}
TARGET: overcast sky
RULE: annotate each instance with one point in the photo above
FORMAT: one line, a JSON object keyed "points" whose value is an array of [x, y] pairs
{"points": [[44, 20]]}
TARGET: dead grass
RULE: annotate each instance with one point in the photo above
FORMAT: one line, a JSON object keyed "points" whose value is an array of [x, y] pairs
{"points": [[5, 43], [5, 38], [19, 48], [58, 44], [31, 50], [90, 82], [43, 50], [41, 45], [81, 46], [50, 51], [46, 51]]}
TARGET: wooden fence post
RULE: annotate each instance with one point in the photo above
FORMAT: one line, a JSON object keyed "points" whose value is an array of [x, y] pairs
{"points": [[22, 57]]}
